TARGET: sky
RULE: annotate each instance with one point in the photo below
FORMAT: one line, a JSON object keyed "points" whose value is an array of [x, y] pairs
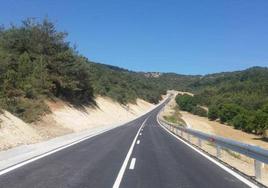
{"points": [[182, 36]]}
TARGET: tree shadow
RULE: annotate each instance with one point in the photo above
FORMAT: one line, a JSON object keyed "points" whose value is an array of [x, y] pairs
{"points": [[262, 139], [78, 104], [82, 106]]}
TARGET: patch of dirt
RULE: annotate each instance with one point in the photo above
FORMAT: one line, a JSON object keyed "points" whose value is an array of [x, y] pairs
{"points": [[216, 128], [107, 112], [48, 128], [65, 119], [15, 132]]}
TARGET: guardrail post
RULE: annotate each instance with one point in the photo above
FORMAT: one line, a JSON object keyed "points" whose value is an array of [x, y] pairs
{"points": [[257, 169], [199, 142], [218, 151]]}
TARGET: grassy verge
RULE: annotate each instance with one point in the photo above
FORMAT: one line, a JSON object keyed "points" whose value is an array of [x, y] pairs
{"points": [[175, 117]]}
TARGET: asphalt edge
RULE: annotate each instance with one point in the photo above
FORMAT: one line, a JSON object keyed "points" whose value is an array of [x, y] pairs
{"points": [[233, 171], [66, 145]]}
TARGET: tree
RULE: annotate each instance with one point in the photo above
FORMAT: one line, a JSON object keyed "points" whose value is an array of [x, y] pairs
{"points": [[243, 122], [186, 102], [213, 112], [260, 122], [197, 110], [228, 111]]}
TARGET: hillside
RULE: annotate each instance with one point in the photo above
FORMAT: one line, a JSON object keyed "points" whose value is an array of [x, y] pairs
{"points": [[65, 119], [236, 98], [38, 64]]}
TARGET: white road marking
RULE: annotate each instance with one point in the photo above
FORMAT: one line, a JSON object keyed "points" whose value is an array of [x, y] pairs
{"points": [[132, 164], [140, 134], [124, 165], [235, 174], [138, 142], [20, 164], [6, 170]]}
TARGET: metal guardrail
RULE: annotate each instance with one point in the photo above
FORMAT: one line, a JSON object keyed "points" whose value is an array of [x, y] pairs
{"points": [[259, 154]]}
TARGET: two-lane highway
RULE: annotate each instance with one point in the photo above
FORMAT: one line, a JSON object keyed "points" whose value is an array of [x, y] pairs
{"points": [[138, 154]]}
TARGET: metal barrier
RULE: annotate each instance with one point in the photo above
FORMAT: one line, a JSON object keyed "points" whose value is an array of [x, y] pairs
{"points": [[259, 154]]}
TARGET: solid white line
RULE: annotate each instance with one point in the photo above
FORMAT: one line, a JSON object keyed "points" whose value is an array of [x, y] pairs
{"points": [[124, 165], [20, 164], [132, 164], [138, 142], [235, 174], [50, 152]]}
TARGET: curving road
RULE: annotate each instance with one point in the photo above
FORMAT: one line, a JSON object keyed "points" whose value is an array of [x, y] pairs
{"points": [[138, 154]]}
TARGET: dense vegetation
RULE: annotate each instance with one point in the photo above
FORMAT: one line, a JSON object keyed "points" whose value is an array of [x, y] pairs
{"points": [[37, 63], [124, 86], [190, 104], [239, 98]]}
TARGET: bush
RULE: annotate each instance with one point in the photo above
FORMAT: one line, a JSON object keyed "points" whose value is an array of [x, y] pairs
{"points": [[186, 102], [241, 121], [228, 111], [189, 103], [213, 113], [260, 122], [197, 110]]}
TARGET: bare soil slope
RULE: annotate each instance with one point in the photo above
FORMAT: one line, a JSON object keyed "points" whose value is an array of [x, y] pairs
{"points": [[65, 119], [216, 128]]}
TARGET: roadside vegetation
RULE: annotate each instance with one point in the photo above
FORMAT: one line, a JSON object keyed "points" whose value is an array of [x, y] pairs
{"points": [[175, 117], [239, 99], [190, 104], [37, 63]]}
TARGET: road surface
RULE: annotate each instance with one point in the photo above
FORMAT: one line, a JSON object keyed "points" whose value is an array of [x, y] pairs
{"points": [[138, 154]]}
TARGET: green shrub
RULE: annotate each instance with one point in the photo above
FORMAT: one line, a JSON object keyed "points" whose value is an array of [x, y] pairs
{"points": [[241, 121], [260, 122], [186, 102], [213, 112], [228, 111], [197, 110]]}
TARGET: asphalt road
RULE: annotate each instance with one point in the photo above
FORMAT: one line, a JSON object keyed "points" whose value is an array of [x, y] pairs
{"points": [[156, 159]]}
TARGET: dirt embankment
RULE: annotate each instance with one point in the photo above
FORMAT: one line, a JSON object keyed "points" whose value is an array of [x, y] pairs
{"points": [[236, 160], [171, 112], [216, 128], [212, 127], [66, 119]]}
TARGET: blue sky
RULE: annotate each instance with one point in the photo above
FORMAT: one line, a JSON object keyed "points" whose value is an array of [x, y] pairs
{"points": [[183, 36]]}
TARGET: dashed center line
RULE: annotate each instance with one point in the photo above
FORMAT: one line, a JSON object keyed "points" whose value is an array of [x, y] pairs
{"points": [[132, 164], [138, 142], [140, 134], [124, 165]]}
